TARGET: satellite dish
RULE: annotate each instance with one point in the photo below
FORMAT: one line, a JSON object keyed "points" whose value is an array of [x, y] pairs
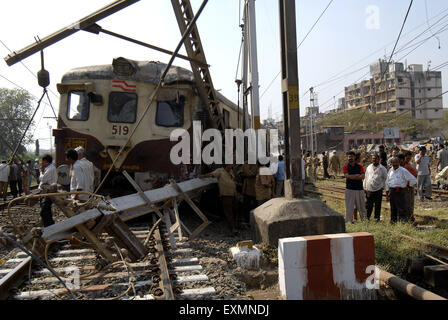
{"points": [[63, 175]]}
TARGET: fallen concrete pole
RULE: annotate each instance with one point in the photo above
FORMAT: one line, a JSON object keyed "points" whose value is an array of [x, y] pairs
{"points": [[406, 287], [131, 206]]}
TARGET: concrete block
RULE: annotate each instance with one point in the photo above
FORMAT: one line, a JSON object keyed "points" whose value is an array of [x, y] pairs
{"points": [[436, 276], [327, 267], [416, 264], [282, 218], [246, 258]]}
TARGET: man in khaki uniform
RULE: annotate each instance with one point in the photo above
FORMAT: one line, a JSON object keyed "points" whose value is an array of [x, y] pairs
{"points": [[316, 163], [335, 164], [264, 186], [249, 174], [227, 192], [309, 168]]}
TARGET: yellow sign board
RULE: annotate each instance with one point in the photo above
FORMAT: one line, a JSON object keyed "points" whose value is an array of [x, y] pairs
{"points": [[72, 143], [293, 97]]}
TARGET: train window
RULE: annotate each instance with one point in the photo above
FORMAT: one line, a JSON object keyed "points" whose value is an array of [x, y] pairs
{"points": [[122, 107], [78, 106], [170, 113]]}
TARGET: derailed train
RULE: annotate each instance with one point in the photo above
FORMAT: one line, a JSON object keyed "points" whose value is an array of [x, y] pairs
{"points": [[100, 106]]}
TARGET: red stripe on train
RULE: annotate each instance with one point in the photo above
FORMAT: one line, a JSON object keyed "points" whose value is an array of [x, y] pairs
{"points": [[124, 89], [125, 83]]}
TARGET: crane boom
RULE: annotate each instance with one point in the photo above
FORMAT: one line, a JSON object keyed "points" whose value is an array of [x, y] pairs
{"points": [[68, 31], [193, 45]]}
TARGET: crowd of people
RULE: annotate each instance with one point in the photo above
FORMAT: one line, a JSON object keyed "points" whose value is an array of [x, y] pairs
{"points": [[18, 176], [402, 175]]}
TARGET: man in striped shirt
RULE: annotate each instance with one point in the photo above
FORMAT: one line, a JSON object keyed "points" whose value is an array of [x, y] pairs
{"points": [[397, 182]]}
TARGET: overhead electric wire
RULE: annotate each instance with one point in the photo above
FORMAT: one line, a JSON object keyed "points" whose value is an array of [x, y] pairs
{"points": [[26, 67], [404, 47], [426, 9], [388, 63], [301, 42], [418, 45], [390, 59], [34, 75]]}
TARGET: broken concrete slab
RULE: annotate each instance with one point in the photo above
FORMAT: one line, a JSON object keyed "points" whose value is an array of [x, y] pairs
{"points": [[282, 218], [246, 258]]}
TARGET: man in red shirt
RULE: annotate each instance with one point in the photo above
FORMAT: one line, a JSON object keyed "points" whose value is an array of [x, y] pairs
{"points": [[354, 191]]}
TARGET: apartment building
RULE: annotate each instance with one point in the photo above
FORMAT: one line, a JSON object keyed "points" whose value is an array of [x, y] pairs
{"points": [[396, 89]]}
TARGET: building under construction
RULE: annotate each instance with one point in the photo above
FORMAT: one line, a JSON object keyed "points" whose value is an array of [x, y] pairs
{"points": [[396, 88]]}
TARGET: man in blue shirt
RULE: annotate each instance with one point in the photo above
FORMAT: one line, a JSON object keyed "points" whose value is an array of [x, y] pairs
{"points": [[280, 178]]}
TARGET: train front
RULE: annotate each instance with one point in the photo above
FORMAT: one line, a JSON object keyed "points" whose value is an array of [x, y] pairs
{"points": [[100, 107]]}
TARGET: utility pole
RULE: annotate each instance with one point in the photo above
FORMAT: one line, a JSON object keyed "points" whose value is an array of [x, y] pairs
{"points": [[311, 120], [290, 97], [250, 62]]}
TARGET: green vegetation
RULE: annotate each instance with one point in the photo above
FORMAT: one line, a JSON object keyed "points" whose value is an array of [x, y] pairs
{"points": [[392, 250], [15, 111], [359, 120]]}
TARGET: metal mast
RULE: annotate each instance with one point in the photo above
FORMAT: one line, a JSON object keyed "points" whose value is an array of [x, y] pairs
{"points": [[250, 71]]}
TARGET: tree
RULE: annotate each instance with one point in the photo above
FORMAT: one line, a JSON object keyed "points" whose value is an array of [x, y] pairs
{"points": [[15, 111]]}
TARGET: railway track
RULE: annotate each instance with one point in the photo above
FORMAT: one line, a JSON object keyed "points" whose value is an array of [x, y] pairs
{"points": [[165, 273], [332, 192]]}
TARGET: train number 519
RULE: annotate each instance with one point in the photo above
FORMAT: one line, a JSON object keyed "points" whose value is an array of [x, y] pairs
{"points": [[120, 130]]}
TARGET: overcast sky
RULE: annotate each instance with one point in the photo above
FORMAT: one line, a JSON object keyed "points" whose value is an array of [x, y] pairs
{"points": [[351, 35]]}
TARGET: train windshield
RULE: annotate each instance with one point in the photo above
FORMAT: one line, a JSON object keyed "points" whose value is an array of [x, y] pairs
{"points": [[122, 107], [78, 106], [170, 113]]}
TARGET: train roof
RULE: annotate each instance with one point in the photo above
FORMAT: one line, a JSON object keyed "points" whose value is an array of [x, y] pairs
{"points": [[139, 71]]}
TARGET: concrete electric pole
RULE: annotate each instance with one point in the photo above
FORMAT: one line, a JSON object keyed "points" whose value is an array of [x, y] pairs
{"points": [[294, 187]]}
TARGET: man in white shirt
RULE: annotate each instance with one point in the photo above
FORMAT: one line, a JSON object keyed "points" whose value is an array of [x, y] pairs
{"points": [[374, 182], [48, 176], [424, 174], [4, 177], [397, 182], [87, 167], [78, 175]]}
